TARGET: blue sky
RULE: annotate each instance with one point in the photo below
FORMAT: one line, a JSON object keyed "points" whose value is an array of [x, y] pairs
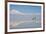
{"points": [[26, 8]]}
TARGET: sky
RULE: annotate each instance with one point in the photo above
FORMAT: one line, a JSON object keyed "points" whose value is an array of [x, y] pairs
{"points": [[26, 8]]}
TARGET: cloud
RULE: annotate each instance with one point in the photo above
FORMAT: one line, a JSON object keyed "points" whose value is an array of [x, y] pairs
{"points": [[13, 11]]}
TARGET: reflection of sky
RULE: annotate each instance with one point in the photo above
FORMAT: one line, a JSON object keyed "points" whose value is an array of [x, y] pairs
{"points": [[26, 9]]}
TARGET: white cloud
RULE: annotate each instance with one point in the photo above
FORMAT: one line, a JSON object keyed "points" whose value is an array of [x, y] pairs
{"points": [[16, 12]]}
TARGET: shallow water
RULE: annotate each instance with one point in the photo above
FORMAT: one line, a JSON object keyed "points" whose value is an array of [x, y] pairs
{"points": [[17, 19], [27, 25]]}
